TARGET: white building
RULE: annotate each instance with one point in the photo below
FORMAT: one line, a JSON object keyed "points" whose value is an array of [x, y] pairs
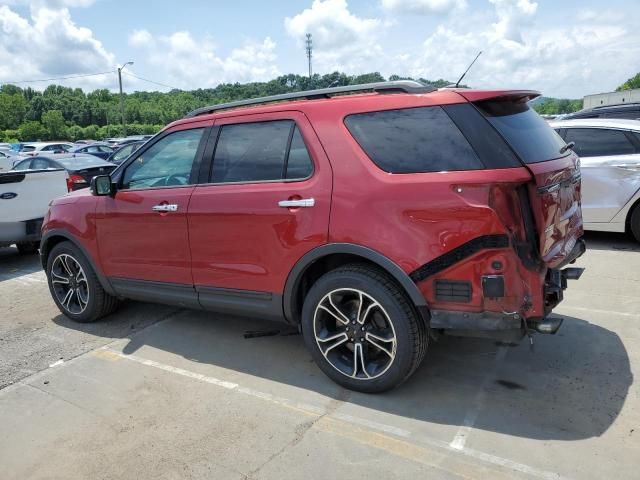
{"points": [[612, 98]]}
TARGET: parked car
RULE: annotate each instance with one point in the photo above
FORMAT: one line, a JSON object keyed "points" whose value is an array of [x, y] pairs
{"points": [[609, 151], [7, 159], [81, 167], [24, 200], [372, 221], [100, 150], [37, 148], [122, 153], [629, 111]]}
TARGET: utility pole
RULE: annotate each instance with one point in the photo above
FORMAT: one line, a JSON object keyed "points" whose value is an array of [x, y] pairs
{"points": [[124, 126], [309, 48]]}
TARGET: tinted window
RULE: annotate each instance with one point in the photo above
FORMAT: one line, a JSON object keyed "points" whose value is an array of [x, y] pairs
{"points": [[168, 162], [299, 164], [413, 140], [593, 142], [23, 165], [250, 152], [123, 153], [39, 164], [528, 134]]}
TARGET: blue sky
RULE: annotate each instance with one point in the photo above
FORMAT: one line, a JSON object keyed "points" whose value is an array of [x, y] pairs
{"points": [[569, 48]]}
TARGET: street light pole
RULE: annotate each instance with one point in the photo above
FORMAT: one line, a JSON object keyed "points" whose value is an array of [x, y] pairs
{"points": [[124, 126]]}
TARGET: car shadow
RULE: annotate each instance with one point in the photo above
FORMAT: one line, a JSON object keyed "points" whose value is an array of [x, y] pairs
{"points": [[571, 386], [13, 264], [611, 241]]}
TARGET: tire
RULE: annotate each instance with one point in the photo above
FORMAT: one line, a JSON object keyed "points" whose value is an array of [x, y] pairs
{"points": [[28, 248], [368, 359], [88, 302], [634, 223]]}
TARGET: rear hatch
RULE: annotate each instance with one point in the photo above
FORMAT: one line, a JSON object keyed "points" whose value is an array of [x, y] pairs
{"points": [[555, 192]]}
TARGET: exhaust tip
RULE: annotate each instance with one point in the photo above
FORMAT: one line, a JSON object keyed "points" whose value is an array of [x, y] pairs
{"points": [[548, 326]]}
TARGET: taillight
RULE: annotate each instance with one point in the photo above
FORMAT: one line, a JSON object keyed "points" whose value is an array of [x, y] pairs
{"points": [[74, 180]]}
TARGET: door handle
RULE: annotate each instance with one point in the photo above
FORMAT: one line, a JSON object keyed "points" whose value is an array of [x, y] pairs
{"points": [[166, 207], [303, 202]]}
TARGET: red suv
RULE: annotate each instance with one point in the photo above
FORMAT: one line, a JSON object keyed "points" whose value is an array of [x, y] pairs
{"points": [[376, 217]]}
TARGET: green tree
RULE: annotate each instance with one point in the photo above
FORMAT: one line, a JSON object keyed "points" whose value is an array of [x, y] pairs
{"points": [[75, 132], [53, 121], [13, 108], [32, 131], [633, 82]]}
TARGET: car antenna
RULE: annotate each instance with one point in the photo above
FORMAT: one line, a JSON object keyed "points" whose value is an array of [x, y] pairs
{"points": [[468, 68]]}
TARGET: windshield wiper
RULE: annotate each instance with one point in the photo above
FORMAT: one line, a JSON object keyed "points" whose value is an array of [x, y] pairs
{"points": [[568, 146]]}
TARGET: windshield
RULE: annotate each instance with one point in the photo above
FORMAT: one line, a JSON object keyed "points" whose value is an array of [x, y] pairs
{"points": [[528, 134]]}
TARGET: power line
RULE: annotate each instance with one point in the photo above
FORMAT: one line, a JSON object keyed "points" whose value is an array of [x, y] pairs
{"points": [[61, 78], [151, 81]]}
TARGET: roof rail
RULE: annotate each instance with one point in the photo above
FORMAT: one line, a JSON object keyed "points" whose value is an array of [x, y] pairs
{"points": [[400, 86]]}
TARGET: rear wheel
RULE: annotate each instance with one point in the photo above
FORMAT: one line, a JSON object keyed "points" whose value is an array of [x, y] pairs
{"points": [[28, 248], [74, 286], [361, 329], [634, 224]]}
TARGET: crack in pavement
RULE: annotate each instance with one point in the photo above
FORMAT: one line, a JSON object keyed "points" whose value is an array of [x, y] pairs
{"points": [[302, 429]]}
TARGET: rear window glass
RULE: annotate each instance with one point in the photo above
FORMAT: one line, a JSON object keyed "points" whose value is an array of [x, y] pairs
{"points": [[528, 134], [413, 140]]}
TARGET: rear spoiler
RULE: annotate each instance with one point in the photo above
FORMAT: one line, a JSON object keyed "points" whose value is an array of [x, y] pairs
{"points": [[513, 95]]}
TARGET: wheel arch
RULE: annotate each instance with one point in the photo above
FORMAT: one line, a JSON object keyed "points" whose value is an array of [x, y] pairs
{"points": [[53, 237], [635, 205], [329, 256]]}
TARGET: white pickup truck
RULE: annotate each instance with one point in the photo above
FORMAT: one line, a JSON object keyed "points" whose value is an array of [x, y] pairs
{"points": [[24, 200]]}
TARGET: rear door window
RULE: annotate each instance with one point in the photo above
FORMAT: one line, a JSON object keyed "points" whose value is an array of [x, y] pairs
{"points": [[260, 151], [598, 142], [528, 134], [413, 140]]}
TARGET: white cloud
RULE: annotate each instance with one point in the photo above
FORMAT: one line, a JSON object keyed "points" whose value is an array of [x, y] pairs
{"points": [[423, 7], [570, 60], [50, 44], [513, 15], [342, 40], [140, 38], [187, 62]]}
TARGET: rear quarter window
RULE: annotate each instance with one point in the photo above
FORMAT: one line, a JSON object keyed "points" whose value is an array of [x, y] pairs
{"points": [[528, 134], [413, 140]]}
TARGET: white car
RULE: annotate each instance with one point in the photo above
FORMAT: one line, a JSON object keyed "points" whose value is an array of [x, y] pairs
{"points": [[36, 148], [609, 151]]}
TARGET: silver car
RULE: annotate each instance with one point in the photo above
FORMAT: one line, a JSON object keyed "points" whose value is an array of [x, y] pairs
{"points": [[609, 151]]}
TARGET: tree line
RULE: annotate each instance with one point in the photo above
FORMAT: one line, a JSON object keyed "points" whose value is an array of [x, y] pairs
{"points": [[63, 113]]}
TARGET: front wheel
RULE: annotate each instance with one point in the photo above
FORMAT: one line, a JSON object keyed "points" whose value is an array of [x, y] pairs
{"points": [[28, 248], [362, 330], [74, 285]]}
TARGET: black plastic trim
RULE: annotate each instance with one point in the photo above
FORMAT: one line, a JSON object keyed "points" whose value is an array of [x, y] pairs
{"points": [[44, 253], [458, 291], [263, 305], [458, 254], [159, 292], [295, 276], [474, 321]]}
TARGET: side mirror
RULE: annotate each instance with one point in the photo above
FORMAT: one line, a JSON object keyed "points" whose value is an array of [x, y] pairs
{"points": [[102, 186]]}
